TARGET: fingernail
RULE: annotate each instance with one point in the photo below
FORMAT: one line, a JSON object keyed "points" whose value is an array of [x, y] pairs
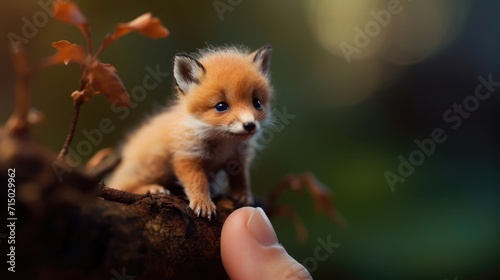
{"points": [[260, 227]]}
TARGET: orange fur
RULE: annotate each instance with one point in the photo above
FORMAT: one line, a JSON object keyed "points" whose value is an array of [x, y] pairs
{"points": [[190, 142]]}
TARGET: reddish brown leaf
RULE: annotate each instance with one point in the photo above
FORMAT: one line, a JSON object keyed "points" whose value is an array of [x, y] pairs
{"points": [[111, 67], [323, 200], [66, 52], [104, 80], [61, 45], [67, 11], [143, 24]]}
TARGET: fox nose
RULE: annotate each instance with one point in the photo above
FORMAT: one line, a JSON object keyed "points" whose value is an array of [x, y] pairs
{"points": [[249, 126]]}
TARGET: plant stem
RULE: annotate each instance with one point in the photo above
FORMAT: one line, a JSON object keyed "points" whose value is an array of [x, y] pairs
{"points": [[76, 111], [108, 40], [89, 44]]}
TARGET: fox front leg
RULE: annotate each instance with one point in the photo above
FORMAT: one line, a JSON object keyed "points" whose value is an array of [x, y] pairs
{"points": [[191, 174], [239, 182]]}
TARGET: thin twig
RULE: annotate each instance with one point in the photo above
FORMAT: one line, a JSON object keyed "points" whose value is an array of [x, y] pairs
{"points": [[69, 137], [77, 103], [18, 122], [89, 44], [107, 41], [119, 195], [86, 33]]}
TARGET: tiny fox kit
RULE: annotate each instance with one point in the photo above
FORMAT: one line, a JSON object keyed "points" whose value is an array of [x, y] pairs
{"points": [[223, 100]]}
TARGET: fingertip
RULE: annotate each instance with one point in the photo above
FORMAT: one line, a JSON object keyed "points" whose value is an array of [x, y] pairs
{"points": [[261, 229], [235, 241], [250, 249]]}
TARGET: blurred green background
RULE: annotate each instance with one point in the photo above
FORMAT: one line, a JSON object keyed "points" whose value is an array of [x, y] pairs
{"points": [[353, 119]]}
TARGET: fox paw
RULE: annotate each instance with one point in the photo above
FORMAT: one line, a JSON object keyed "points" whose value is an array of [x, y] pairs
{"points": [[244, 198], [157, 189], [203, 207]]}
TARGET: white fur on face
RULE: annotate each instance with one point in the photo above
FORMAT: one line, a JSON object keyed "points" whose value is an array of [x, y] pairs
{"points": [[200, 129], [237, 127], [246, 117], [220, 151]]}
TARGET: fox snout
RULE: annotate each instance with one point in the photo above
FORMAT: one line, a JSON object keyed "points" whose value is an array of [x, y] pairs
{"points": [[244, 124], [249, 126], [244, 128]]}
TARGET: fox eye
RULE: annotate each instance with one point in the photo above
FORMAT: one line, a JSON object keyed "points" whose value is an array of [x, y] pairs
{"points": [[257, 104], [221, 107]]}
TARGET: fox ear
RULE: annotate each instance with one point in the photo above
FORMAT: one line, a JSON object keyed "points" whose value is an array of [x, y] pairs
{"points": [[262, 58], [187, 71]]}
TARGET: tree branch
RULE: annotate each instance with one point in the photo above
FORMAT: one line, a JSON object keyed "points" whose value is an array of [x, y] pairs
{"points": [[69, 137], [75, 228], [65, 232]]}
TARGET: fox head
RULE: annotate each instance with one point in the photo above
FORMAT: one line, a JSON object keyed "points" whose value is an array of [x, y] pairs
{"points": [[225, 91]]}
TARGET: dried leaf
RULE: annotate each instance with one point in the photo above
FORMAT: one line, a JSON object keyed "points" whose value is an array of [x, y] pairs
{"points": [[104, 80], [61, 45], [323, 200], [67, 11], [67, 52], [291, 214], [111, 67], [145, 25]]}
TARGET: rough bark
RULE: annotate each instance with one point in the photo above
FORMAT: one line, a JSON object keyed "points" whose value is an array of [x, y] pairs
{"points": [[70, 227], [63, 231]]}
